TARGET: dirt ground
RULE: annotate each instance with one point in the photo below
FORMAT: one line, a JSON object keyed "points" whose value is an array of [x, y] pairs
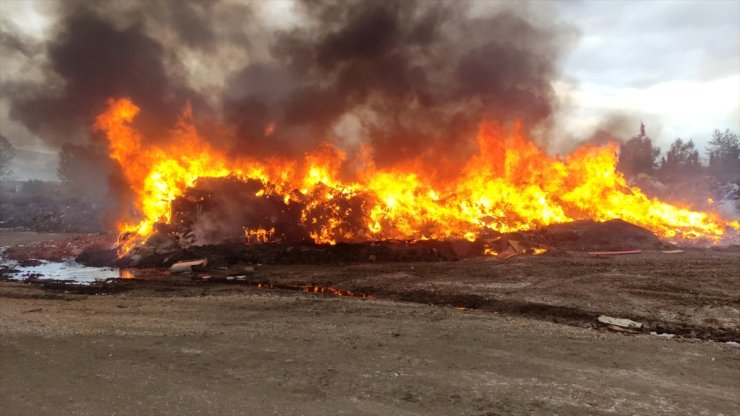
{"points": [[695, 293], [187, 346]]}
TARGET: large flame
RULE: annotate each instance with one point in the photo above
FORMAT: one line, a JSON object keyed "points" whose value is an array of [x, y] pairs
{"points": [[509, 185]]}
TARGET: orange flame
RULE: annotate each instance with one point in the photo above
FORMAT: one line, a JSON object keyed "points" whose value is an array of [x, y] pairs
{"points": [[509, 185]]}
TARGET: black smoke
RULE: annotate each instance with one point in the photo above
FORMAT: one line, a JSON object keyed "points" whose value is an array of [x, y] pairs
{"points": [[90, 60], [411, 78], [417, 77]]}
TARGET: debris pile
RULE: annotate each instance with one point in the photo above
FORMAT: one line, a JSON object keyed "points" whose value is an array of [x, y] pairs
{"points": [[164, 250], [231, 253], [60, 250], [613, 235], [505, 246]]}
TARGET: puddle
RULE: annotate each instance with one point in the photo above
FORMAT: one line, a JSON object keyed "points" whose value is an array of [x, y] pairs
{"points": [[74, 272], [68, 270]]}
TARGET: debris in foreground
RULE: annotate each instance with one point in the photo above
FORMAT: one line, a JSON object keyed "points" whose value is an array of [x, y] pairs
{"points": [[619, 322], [187, 266]]}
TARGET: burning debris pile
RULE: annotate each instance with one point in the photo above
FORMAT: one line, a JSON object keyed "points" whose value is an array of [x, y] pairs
{"points": [[199, 195], [163, 250], [401, 121], [590, 235], [229, 208], [230, 254]]}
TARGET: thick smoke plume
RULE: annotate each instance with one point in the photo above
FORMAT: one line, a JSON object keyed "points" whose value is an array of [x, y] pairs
{"points": [[89, 59], [410, 78], [386, 82]]}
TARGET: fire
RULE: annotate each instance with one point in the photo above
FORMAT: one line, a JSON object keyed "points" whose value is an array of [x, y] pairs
{"points": [[258, 235], [324, 290], [509, 185]]}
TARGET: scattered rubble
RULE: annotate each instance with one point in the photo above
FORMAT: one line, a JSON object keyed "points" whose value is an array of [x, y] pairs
{"points": [[619, 322], [610, 235], [60, 250], [503, 248], [188, 266]]}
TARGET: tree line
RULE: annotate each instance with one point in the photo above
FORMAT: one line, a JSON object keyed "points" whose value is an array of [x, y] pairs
{"points": [[638, 155]]}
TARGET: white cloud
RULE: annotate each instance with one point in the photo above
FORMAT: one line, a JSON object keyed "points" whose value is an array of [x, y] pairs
{"points": [[687, 109], [674, 64]]}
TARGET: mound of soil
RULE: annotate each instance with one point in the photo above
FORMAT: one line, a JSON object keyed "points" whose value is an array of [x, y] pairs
{"points": [[227, 254], [592, 235], [575, 236]]}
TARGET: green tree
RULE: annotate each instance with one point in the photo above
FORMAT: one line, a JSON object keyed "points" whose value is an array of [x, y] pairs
{"points": [[724, 156], [681, 159], [637, 155], [7, 153]]}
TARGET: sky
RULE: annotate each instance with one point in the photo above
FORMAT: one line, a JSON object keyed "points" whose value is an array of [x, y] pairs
{"points": [[674, 65]]}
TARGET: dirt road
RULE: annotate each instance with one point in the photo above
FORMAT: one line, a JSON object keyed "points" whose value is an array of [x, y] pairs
{"points": [[187, 346], [241, 350]]}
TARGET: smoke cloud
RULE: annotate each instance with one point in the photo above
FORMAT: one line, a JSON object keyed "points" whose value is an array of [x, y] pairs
{"points": [[410, 78]]}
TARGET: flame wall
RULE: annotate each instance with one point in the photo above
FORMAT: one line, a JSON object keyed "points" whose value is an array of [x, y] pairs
{"points": [[507, 185]]}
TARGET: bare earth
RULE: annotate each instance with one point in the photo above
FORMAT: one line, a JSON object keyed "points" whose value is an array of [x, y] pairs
{"points": [[188, 347]]}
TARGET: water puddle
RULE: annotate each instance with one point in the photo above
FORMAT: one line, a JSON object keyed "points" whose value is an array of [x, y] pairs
{"points": [[68, 270], [73, 272]]}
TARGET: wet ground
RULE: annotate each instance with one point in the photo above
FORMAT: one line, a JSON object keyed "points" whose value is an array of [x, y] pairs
{"points": [[230, 344]]}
